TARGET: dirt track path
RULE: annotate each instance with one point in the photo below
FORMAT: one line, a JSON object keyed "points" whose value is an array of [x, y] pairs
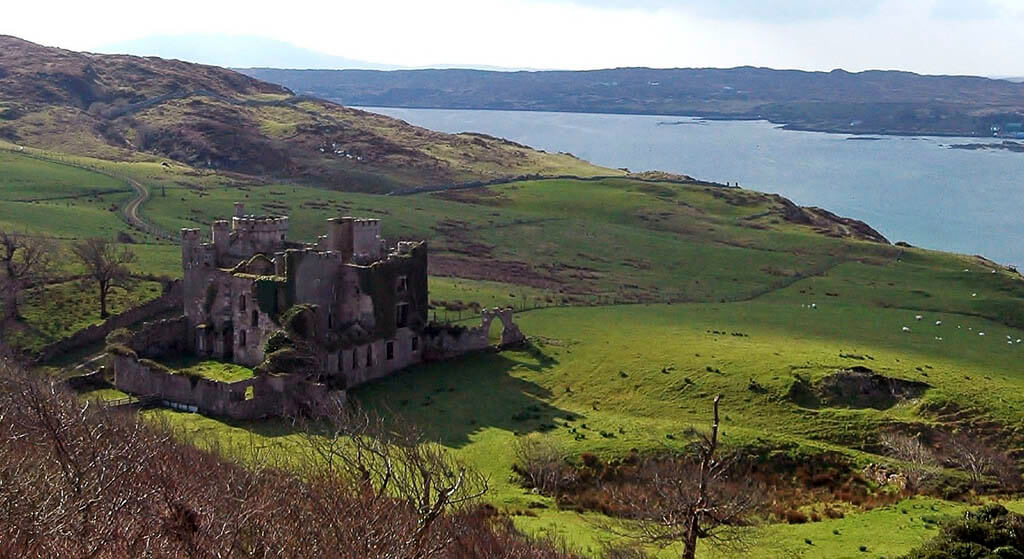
{"points": [[131, 212]]}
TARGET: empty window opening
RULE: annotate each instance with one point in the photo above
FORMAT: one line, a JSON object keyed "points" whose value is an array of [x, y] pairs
{"points": [[241, 302], [330, 319], [389, 351], [403, 284], [255, 317], [415, 343], [369, 356], [241, 337], [402, 315], [355, 358]]}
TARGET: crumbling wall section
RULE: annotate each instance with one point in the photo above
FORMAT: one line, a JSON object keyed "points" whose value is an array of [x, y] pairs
{"points": [[271, 395], [170, 300], [446, 341]]}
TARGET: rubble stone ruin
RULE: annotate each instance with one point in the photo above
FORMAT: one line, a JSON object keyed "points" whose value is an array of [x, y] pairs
{"points": [[312, 319]]}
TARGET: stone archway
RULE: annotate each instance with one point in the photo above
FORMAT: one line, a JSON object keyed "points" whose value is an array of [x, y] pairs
{"points": [[510, 332]]}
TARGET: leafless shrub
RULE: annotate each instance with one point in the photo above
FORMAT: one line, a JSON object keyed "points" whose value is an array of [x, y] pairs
{"points": [[78, 480], [919, 460], [386, 458], [979, 459], [24, 260], [541, 463], [683, 501]]}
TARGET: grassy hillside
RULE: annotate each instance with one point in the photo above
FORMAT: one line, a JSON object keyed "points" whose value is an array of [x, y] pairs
{"points": [[670, 294], [130, 108]]}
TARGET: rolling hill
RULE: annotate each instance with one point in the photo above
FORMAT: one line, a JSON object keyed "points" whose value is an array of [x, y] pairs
{"points": [[127, 108], [643, 296], [877, 102]]}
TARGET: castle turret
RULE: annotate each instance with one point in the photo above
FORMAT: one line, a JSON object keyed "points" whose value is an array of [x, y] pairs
{"points": [[366, 237], [189, 240], [339, 236], [221, 237]]}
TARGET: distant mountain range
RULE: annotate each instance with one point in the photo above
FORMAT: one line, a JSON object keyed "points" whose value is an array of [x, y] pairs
{"points": [[248, 51], [872, 102], [235, 51]]}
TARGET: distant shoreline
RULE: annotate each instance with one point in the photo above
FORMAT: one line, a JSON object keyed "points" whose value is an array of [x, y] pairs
{"points": [[857, 135]]}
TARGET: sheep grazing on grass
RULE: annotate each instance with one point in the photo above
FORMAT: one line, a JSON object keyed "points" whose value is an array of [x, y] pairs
{"points": [[938, 323], [974, 294], [918, 317], [814, 305], [981, 333], [905, 329]]}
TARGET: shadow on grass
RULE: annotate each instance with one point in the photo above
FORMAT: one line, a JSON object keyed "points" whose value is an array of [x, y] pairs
{"points": [[451, 400]]}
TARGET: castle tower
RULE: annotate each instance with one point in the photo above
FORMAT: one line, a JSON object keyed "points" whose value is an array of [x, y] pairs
{"points": [[221, 237], [339, 236], [189, 241]]}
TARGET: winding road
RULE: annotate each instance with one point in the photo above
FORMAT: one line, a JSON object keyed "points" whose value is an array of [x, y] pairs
{"points": [[130, 213]]}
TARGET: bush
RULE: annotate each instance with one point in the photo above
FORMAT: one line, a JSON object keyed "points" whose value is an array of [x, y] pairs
{"points": [[277, 340], [991, 531], [794, 516], [122, 336]]}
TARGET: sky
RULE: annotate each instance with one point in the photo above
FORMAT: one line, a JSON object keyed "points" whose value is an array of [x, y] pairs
{"points": [[982, 37]]}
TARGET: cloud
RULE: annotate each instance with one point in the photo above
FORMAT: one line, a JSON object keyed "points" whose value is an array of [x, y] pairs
{"points": [[961, 10], [783, 11]]}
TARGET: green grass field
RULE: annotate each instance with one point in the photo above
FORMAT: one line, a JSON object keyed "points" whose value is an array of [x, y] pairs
{"points": [[757, 305], [210, 370], [59, 310]]}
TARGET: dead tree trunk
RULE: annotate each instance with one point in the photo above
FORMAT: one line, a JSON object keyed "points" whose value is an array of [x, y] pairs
{"points": [[693, 530]]}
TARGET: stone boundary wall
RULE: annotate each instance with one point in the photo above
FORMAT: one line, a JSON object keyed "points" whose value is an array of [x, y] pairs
{"points": [[451, 342], [171, 299], [136, 376]]}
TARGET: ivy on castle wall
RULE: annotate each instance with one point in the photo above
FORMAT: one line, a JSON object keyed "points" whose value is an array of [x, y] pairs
{"points": [[379, 281]]}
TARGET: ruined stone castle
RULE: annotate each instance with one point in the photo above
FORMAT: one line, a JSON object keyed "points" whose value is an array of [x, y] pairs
{"points": [[313, 319], [371, 302]]}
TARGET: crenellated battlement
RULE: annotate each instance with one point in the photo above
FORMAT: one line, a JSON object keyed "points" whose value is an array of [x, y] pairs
{"points": [[259, 224]]}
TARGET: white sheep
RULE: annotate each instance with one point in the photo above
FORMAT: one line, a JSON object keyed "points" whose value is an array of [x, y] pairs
{"points": [[918, 317], [814, 305], [938, 323], [974, 294], [905, 329], [981, 333]]}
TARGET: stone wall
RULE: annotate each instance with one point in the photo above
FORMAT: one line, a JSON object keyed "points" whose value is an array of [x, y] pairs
{"points": [[271, 396], [445, 342], [160, 337], [170, 300]]}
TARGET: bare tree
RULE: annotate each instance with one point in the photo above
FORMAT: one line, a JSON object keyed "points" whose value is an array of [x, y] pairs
{"points": [[391, 459], [541, 463], [24, 260], [919, 461], [107, 264], [683, 501], [973, 455]]}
